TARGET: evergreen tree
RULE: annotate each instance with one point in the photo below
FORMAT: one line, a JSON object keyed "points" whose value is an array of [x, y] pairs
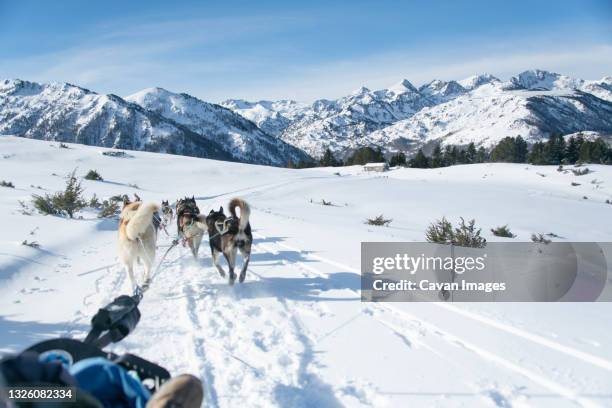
{"points": [[554, 151], [537, 154], [329, 160], [504, 151], [510, 150], [365, 155], [461, 156], [454, 155], [481, 155], [521, 150], [437, 160], [572, 150], [596, 151], [447, 156], [398, 159], [470, 153], [420, 161]]}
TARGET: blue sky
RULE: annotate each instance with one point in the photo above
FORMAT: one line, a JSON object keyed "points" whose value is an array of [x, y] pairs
{"points": [[298, 50]]}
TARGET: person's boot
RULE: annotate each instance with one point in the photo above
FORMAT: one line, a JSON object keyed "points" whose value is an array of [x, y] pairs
{"points": [[184, 391]]}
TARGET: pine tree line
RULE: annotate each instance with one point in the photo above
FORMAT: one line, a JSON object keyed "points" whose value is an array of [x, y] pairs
{"points": [[556, 150]]}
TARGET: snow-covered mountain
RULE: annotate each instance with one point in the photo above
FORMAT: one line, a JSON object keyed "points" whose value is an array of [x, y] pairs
{"points": [[474, 81], [538, 80], [486, 115], [271, 116], [158, 121], [239, 136], [68, 113], [342, 123], [479, 108], [601, 88]]}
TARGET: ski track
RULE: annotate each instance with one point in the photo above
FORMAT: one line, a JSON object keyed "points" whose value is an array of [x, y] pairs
{"points": [[491, 357]]}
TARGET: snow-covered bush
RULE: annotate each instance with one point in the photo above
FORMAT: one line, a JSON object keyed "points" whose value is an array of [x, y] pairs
{"points": [[539, 239], [581, 172], [93, 175], [465, 235], [379, 221], [468, 235], [108, 209], [94, 202], [503, 231], [65, 202], [7, 184]]}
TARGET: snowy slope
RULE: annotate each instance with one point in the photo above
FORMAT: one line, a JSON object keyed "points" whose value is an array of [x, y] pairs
{"points": [[538, 80], [68, 113], [271, 116], [474, 81], [602, 88], [295, 333], [342, 124], [239, 136], [480, 108], [488, 114]]}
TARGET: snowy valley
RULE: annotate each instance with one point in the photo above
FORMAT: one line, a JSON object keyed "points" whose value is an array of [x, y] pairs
{"points": [[296, 333]]}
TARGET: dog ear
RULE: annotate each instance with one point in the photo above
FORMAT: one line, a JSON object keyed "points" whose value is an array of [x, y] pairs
{"points": [[221, 209]]}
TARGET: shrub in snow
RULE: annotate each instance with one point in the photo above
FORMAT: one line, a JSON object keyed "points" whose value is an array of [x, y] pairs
{"points": [[539, 239], [93, 175], [466, 235], [112, 153], [379, 221], [108, 209], [503, 231], [7, 184], [440, 232], [575, 184], [63, 146], [94, 202], [65, 202], [119, 198], [581, 172], [32, 244]]}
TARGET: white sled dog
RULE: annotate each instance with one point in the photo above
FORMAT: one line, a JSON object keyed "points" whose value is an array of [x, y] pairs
{"points": [[138, 237]]}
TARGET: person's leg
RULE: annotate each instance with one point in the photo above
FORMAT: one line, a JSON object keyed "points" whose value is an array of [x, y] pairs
{"points": [[184, 391]]}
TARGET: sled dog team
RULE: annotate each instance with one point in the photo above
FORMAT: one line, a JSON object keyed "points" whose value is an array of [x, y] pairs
{"points": [[140, 223]]}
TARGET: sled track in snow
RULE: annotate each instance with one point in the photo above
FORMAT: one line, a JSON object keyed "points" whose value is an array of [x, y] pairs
{"points": [[534, 338], [489, 356]]}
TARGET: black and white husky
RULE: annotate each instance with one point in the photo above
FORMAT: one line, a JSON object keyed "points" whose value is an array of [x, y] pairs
{"points": [[228, 235]]}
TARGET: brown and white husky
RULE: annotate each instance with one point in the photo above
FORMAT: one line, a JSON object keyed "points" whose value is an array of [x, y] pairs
{"points": [[138, 237]]}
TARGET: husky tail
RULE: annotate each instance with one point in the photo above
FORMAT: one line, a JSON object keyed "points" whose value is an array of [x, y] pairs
{"points": [[140, 220], [245, 212]]}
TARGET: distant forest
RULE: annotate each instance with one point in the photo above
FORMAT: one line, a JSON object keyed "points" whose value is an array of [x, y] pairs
{"points": [[556, 150]]}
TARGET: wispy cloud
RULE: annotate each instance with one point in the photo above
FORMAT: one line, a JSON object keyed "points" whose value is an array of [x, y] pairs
{"points": [[221, 58]]}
